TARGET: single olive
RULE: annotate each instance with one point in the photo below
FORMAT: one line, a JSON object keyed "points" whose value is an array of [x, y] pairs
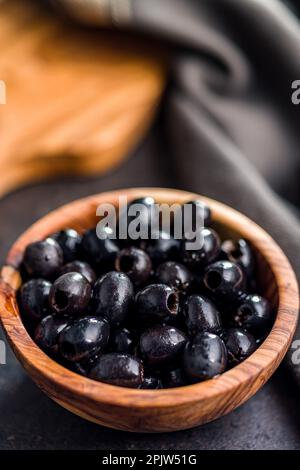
{"points": [[80, 267], [48, 330], [113, 297], [70, 294], [156, 302], [135, 263], [204, 357], [174, 275], [34, 299], [239, 343], [69, 240], [83, 338], [200, 314], [43, 259], [210, 246], [118, 369], [161, 344]]}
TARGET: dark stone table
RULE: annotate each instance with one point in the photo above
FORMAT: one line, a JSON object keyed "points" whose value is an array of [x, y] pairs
{"points": [[29, 420]]}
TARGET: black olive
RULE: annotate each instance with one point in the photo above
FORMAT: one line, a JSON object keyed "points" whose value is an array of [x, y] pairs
{"points": [[121, 341], [193, 216], [254, 314], [173, 378], [239, 343], [80, 267], [224, 278], [43, 259], [70, 294], [69, 240], [161, 344], [174, 275], [99, 252], [83, 367], [206, 254], [204, 357], [48, 330], [83, 338], [113, 297], [201, 314], [161, 247], [118, 369], [135, 263], [239, 251], [34, 299], [157, 301]]}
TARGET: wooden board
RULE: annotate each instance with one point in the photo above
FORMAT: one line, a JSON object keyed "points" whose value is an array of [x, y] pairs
{"points": [[78, 100]]}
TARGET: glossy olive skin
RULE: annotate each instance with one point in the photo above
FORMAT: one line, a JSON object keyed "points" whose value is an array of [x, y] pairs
{"points": [[224, 278], [239, 251], [80, 267], [239, 343], [69, 240], [175, 275], [99, 253], [161, 344], [113, 297], [34, 299], [70, 294], [156, 302], [194, 215], [83, 367], [122, 341], [118, 369], [43, 259], [254, 314], [135, 263], [47, 332], [204, 357], [138, 208], [83, 338], [151, 383], [173, 378], [206, 254], [162, 247], [200, 314]]}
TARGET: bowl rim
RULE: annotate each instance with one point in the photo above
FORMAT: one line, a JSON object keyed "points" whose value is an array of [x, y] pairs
{"points": [[266, 358]]}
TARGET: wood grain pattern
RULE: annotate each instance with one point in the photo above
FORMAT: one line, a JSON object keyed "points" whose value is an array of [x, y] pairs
{"points": [[155, 410], [78, 100]]}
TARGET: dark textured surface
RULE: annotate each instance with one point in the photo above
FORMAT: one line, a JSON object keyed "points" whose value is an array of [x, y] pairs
{"points": [[29, 420]]}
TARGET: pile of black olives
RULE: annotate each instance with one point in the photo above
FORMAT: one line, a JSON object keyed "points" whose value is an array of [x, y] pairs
{"points": [[146, 314]]}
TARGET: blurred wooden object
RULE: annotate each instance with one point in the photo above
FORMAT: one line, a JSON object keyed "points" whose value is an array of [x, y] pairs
{"points": [[78, 100]]}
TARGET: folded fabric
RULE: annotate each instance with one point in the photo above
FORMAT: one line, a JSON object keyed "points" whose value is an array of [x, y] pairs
{"points": [[230, 123]]}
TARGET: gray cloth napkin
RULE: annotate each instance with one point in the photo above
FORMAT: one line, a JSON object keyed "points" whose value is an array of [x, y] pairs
{"points": [[231, 127]]}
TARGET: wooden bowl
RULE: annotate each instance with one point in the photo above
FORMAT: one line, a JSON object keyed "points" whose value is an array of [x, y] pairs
{"points": [[155, 410]]}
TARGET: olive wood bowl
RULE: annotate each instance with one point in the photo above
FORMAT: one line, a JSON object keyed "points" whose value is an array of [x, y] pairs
{"points": [[155, 410]]}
